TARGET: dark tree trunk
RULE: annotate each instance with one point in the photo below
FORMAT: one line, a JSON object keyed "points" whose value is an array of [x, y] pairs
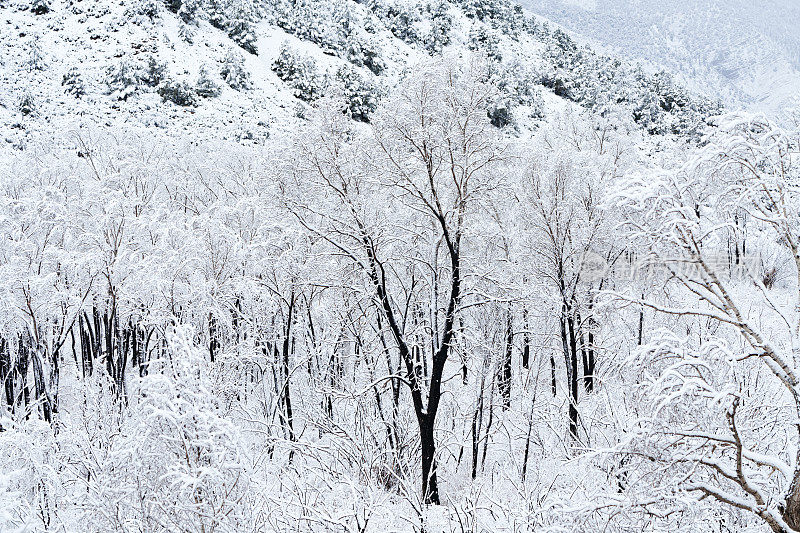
{"points": [[430, 484], [504, 381], [286, 371], [587, 350], [477, 425], [641, 324], [23, 358], [571, 356], [526, 339], [7, 373], [40, 387], [55, 376], [213, 342], [475, 441], [488, 427], [589, 370], [791, 509], [528, 439]]}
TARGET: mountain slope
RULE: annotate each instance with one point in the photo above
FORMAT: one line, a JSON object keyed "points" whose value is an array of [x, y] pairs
{"points": [[209, 70], [746, 53]]}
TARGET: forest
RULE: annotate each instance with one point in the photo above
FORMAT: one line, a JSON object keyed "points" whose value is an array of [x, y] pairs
{"points": [[413, 311]]}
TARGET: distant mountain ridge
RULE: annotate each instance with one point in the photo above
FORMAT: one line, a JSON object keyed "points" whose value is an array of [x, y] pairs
{"points": [[746, 53]]}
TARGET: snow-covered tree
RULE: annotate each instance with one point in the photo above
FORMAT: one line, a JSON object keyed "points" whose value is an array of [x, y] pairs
{"points": [[701, 409]]}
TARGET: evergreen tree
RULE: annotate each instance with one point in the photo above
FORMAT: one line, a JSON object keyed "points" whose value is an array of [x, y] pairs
{"points": [[179, 93], [299, 72], [35, 56], [486, 41], [40, 7], [361, 96], [243, 34], [441, 25], [190, 10], [206, 87], [364, 52], [154, 72], [72, 83], [26, 104], [234, 72], [123, 79]]}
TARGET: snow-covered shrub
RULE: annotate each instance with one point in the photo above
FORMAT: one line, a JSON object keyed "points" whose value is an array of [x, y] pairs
{"points": [[72, 83], [242, 32], [503, 15], [215, 10], [501, 114], [364, 52], [35, 60], [190, 10], [441, 24], [486, 41], [40, 7], [124, 78], [186, 33], [30, 487], [300, 72], [26, 104], [155, 72], [536, 105], [206, 86], [516, 87], [399, 19], [143, 10], [176, 464], [361, 96], [178, 92], [326, 24], [173, 5], [234, 72]]}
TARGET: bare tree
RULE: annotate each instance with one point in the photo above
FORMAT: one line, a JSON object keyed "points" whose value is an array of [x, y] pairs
{"points": [[433, 157], [705, 409]]}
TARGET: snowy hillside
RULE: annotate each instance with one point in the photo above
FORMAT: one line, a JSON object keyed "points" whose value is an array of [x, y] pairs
{"points": [[211, 74], [747, 53]]}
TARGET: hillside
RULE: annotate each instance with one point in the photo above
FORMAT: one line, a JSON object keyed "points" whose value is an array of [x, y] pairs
{"points": [[108, 65], [744, 53]]}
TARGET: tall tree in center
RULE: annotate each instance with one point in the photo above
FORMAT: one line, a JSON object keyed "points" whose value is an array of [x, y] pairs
{"points": [[399, 205]]}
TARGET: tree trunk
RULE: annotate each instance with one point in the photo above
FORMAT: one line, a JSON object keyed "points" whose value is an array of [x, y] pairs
{"points": [[587, 350], [430, 485], [287, 398], [526, 349], [641, 324], [504, 383], [22, 371], [791, 512], [589, 369], [571, 356], [7, 373], [40, 386], [477, 424]]}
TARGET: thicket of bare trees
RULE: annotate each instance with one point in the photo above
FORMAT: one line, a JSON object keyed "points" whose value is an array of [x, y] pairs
{"points": [[418, 324]]}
